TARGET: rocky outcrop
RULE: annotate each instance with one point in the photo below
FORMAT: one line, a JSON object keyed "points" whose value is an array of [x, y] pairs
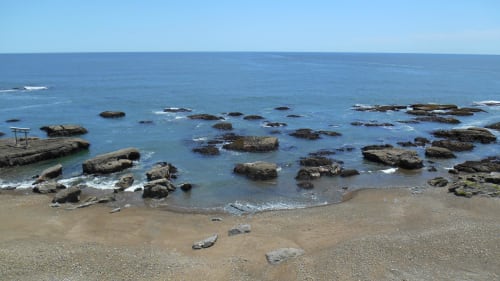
{"points": [[371, 124], [223, 126], [454, 145], [433, 107], [50, 173], [275, 124], [315, 161], [477, 184], [71, 194], [207, 150], [257, 170], [112, 114], [38, 150], [467, 135], [253, 117], [488, 165], [124, 182], [329, 133], [161, 170], [406, 159], [438, 119], [311, 173], [111, 162], [280, 255], [253, 144], [205, 243], [305, 134], [439, 152], [64, 130], [158, 189], [48, 187], [234, 114], [494, 126], [176, 109], [204, 116]]}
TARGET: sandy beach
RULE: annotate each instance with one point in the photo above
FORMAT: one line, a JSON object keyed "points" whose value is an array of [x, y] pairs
{"points": [[388, 234]]}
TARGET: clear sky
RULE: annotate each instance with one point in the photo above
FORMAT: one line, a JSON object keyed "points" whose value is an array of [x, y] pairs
{"points": [[414, 26]]}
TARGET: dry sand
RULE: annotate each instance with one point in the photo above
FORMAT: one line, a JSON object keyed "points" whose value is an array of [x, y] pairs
{"points": [[377, 235]]}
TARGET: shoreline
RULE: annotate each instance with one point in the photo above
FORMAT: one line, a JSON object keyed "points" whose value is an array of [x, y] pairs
{"points": [[378, 234]]}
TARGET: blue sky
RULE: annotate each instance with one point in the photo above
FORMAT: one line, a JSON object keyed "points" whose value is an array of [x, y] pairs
{"points": [[416, 26]]}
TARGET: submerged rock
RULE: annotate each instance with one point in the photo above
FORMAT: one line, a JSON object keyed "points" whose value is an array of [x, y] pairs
{"points": [[379, 108], [494, 126], [371, 124], [176, 109], [235, 114], [282, 108], [406, 159], [64, 130], [257, 170], [208, 117], [253, 117], [438, 119], [305, 134], [223, 126], [111, 162], [207, 150], [305, 185], [253, 144]]}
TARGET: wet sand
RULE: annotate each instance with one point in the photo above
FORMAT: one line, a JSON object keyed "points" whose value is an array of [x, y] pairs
{"points": [[379, 234]]}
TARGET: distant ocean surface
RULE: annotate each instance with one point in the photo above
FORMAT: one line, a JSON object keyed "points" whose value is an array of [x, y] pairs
{"points": [[49, 89]]}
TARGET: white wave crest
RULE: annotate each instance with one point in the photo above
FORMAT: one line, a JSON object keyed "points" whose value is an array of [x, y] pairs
{"points": [[488, 103], [34, 88], [389, 171]]}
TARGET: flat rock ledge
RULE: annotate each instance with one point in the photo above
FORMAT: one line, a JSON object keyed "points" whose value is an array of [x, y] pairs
{"points": [[403, 158], [64, 130], [280, 255], [257, 170], [111, 162], [38, 150], [253, 144], [467, 135]]}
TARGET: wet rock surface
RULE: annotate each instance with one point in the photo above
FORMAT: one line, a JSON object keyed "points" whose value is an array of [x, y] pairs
{"points": [[467, 135], [226, 126], [406, 159], [439, 152], [207, 150], [64, 130], [204, 116], [253, 144], [257, 170], [454, 145], [50, 173], [112, 114], [111, 162], [308, 134], [71, 195]]}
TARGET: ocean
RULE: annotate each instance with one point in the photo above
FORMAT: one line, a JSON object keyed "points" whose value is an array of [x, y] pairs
{"points": [[322, 88]]}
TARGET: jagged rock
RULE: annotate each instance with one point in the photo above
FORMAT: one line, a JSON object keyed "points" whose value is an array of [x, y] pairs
{"points": [[438, 182], [48, 187], [208, 117], [305, 134], [112, 114], [205, 243], [157, 188], [494, 126], [253, 144], [235, 114], [64, 130], [315, 161], [467, 135], [39, 150], [257, 170], [454, 145], [111, 162], [50, 173], [176, 109], [161, 171], [438, 119], [207, 150], [125, 182], [280, 255], [311, 173], [490, 164], [406, 159], [223, 126], [239, 229], [406, 143], [282, 108], [439, 152], [349, 173], [305, 185], [253, 117], [71, 194]]}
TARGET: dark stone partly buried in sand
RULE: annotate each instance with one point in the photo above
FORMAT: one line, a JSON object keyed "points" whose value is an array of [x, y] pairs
{"points": [[488, 165], [38, 150], [208, 117], [239, 229], [207, 150], [454, 145], [467, 135], [281, 255], [439, 152], [257, 170], [50, 173], [111, 162], [71, 194], [205, 243], [438, 119], [253, 117], [112, 114], [64, 130], [223, 126], [406, 159], [494, 126], [253, 144]]}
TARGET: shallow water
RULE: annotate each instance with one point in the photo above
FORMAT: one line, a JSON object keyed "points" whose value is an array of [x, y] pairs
{"points": [[322, 88]]}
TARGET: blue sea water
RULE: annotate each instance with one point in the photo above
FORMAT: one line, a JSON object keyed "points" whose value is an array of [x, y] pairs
{"points": [[321, 87]]}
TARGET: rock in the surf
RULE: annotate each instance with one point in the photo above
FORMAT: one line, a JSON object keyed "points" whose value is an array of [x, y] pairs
{"points": [[253, 144], [50, 173], [48, 187], [439, 152], [112, 114], [467, 135], [403, 158], [257, 170], [204, 116], [207, 150], [111, 162], [124, 182], [494, 126], [226, 126], [64, 130], [161, 170], [454, 145]]}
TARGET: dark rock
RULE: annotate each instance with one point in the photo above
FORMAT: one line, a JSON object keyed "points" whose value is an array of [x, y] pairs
{"points": [[494, 126], [475, 184], [48, 187], [138, 189], [146, 122], [380, 108], [125, 182], [464, 111], [253, 144], [492, 178], [207, 150], [161, 171], [71, 194], [408, 121], [315, 161], [50, 173], [330, 133], [157, 188], [376, 146], [223, 126], [349, 173], [112, 114], [438, 119], [306, 134], [406, 159], [176, 109], [371, 124], [208, 117], [280, 255], [421, 141], [257, 170], [438, 182], [106, 199], [253, 117], [235, 114], [293, 116], [186, 187], [439, 152], [111, 162], [322, 152], [239, 229], [311, 173], [433, 107], [282, 108], [275, 124], [13, 120], [432, 169], [467, 135], [491, 164], [453, 171], [38, 150], [205, 243], [406, 143], [2, 134], [420, 113], [64, 130], [305, 185], [454, 145]]}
